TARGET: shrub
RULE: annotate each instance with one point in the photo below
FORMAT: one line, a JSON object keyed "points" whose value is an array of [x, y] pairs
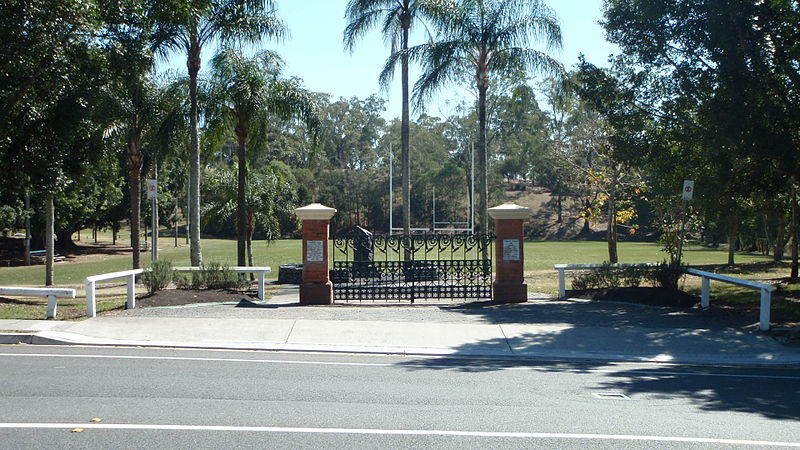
{"points": [[218, 276], [183, 281], [158, 277], [608, 277], [666, 275], [215, 275], [601, 277]]}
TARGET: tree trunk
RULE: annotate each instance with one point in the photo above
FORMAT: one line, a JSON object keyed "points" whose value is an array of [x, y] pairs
{"points": [[733, 231], [49, 229], [135, 159], [780, 238], [611, 232], [587, 229], [64, 240], [559, 209], [27, 228], [251, 227], [405, 139], [241, 196], [193, 64], [794, 233], [483, 176]]}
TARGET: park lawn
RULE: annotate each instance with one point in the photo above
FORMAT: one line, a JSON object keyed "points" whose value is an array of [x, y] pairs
{"points": [[73, 273], [539, 256], [539, 260], [68, 308]]}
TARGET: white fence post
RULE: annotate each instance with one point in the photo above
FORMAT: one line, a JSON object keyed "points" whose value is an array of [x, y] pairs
{"points": [[91, 310], [51, 306], [562, 283], [131, 303], [766, 301], [705, 296], [261, 285]]}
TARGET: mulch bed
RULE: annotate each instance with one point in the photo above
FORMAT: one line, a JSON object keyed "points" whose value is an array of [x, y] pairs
{"points": [[654, 296], [179, 297]]}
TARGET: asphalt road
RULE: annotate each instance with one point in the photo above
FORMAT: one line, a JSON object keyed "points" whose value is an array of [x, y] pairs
{"points": [[148, 398]]}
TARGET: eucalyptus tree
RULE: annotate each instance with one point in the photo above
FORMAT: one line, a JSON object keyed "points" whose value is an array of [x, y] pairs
{"points": [[484, 39], [188, 26], [247, 93], [719, 81], [396, 19]]}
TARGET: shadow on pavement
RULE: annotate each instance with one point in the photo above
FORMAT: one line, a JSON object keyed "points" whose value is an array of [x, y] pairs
{"points": [[600, 330], [708, 388], [598, 313], [775, 398]]}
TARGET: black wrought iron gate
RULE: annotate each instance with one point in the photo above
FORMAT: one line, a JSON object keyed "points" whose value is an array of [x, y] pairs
{"points": [[411, 267]]}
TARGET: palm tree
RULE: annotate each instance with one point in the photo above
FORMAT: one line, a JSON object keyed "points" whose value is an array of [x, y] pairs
{"points": [[189, 28], [484, 39], [397, 18], [135, 108], [271, 193], [246, 93]]}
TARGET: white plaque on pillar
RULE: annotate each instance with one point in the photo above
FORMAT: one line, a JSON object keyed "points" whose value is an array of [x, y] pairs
{"points": [[510, 249], [314, 251]]}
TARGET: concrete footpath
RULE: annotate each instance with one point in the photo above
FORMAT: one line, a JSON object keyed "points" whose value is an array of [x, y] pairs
{"points": [[542, 328]]}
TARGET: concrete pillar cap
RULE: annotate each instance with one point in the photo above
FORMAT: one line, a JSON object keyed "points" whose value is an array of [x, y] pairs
{"points": [[509, 211], [315, 211]]}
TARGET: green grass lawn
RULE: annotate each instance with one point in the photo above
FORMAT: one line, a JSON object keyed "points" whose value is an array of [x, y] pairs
{"points": [[71, 273], [538, 256]]}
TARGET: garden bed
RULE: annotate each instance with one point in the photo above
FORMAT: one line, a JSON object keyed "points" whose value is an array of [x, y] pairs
{"points": [[180, 297], [653, 296]]}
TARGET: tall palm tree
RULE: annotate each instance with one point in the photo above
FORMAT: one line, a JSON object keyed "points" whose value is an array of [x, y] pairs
{"points": [[189, 28], [483, 39], [246, 93], [396, 18], [135, 107]]}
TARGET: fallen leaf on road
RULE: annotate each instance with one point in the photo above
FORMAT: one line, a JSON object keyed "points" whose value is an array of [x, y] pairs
{"points": [[77, 430], [96, 419]]}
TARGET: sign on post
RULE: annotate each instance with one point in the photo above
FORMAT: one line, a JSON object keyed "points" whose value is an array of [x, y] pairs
{"points": [[152, 189], [688, 189]]}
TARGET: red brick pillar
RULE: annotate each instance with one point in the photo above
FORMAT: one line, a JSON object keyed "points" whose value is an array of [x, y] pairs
{"points": [[509, 284], [316, 288]]}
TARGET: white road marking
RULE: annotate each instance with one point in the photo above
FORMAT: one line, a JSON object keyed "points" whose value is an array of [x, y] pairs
{"points": [[618, 372], [370, 431]]}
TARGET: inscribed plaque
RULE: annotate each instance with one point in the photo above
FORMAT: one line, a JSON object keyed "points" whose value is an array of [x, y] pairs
{"points": [[511, 249], [314, 251]]}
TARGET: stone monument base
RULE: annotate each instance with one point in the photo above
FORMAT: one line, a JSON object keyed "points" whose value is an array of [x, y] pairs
{"points": [[509, 292], [316, 293]]}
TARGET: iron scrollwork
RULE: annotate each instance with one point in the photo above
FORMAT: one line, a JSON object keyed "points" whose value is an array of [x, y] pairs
{"points": [[411, 267]]}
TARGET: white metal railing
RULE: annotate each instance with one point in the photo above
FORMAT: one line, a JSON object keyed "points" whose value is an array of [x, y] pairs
{"points": [[260, 271], [766, 292], [51, 294], [706, 277], [562, 276], [91, 304]]}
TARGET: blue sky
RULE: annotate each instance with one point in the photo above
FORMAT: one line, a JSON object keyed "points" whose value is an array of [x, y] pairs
{"points": [[314, 51]]}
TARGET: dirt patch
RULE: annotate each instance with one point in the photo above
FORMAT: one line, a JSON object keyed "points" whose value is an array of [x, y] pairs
{"points": [[654, 296], [180, 297]]}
